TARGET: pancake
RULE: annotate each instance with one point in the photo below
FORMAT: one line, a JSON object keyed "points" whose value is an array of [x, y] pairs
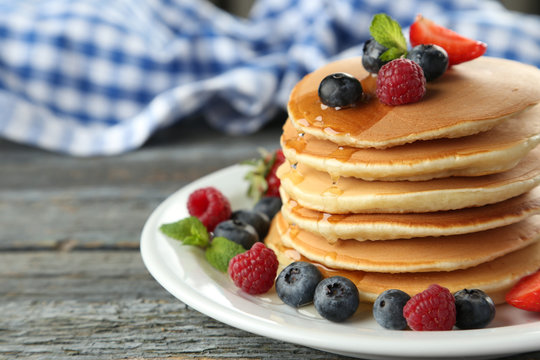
{"points": [[469, 98], [400, 226], [496, 150], [445, 253], [318, 191], [495, 277]]}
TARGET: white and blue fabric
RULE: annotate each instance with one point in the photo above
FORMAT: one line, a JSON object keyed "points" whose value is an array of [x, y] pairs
{"points": [[98, 77]]}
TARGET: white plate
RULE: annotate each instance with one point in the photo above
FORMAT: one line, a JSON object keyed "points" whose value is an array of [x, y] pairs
{"points": [[184, 272]]}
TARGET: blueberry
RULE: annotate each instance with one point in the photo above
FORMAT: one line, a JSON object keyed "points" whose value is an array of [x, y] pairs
{"points": [[474, 309], [340, 90], [295, 285], [237, 231], [370, 58], [257, 219], [388, 309], [269, 205], [432, 59], [336, 298]]}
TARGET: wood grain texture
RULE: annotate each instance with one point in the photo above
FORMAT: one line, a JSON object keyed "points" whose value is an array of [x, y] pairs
{"points": [[95, 202], [104, 304]]}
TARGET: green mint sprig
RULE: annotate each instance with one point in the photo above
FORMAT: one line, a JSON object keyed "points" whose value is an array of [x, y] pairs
{"points": [[221, 251], [387, 32], [191, 231]]}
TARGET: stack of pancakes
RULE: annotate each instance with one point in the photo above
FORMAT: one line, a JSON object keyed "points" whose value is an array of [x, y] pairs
{"points": [[439, 191]]}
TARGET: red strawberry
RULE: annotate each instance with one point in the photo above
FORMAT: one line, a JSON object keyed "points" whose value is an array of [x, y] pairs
{"points": [[458, 47], [263, 179], [526, 293], [271, 179]]}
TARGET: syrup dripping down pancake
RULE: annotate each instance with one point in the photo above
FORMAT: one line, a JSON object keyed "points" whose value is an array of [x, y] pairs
{"points": [[469, 98], [493, 151], [317, 190]]}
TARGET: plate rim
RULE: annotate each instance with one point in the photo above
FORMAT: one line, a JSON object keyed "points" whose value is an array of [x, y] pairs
{"points": [[511, 339]]}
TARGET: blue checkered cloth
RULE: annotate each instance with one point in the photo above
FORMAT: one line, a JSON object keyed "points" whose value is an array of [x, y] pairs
{"points": [[98, 77]]}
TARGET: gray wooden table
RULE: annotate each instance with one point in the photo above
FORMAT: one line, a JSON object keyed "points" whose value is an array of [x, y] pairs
{"points": [[72, 282]]}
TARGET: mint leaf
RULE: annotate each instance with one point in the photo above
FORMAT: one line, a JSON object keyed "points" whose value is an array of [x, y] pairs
{"points": [[391, 54], [387, 32], [190, 231], [221, 251]]}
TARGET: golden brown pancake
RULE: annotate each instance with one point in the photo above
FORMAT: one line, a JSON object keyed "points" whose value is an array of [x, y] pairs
{"points": [[496, 150], [444, 253], [469, 98], [472, 190], [401, 226], [317, 190], [495, 277]]}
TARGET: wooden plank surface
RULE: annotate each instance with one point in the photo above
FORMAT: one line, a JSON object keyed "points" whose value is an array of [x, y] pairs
{"points": [[104, 201], [72, 282], [104, 304]]}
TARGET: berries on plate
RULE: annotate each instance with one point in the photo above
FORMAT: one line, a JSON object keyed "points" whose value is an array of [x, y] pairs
{"points": [[263, 180], [371, 60], [295, 285], [340, 90], [336, 298], [388, 309], [474, 309], [432, 309], [210, 206], [458, 47], [268, 205], [526, 293], [255, 270], [237, 231], [433, 60], [257, 219], [401, 81]]}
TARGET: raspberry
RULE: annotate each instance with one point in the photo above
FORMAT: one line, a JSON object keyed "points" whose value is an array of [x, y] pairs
{"points": [[254, 271], [210, 206], [432, 309], [401, 81]]}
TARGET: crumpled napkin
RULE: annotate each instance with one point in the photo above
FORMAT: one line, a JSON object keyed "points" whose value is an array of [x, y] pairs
{"points": [[98, 77]]}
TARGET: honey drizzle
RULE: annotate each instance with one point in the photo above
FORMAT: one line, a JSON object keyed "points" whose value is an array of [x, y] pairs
{"points": [[334, 189], [348, 121], [294, 175], [298, 143], [343, 153]]}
